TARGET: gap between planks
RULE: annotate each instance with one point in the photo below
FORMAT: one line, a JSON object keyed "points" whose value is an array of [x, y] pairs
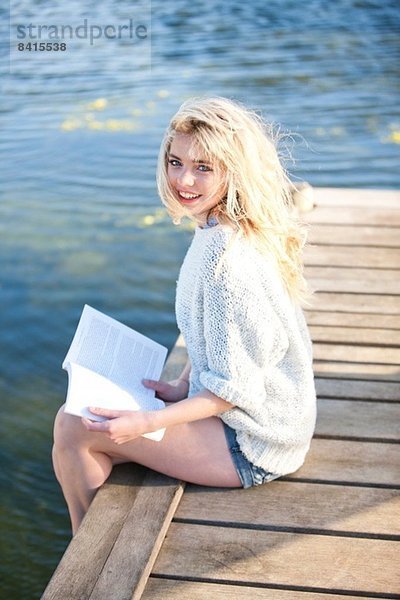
{"points": [[181, 588], [278, 558], [287, 529], [343, 509]]}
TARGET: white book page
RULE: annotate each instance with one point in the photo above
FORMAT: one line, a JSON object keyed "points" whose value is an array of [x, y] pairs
{"points": [[120, 355], [86, 388]]}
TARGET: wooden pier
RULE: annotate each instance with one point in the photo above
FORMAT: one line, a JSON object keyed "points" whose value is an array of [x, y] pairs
{"points": [[330, 530]]}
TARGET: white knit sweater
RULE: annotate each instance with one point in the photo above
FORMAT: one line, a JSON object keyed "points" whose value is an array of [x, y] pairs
{"points": [[249, 345]]}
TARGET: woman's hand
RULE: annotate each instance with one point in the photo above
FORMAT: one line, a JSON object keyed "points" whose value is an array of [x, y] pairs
{"points": [[121, 426], [170, 391]]}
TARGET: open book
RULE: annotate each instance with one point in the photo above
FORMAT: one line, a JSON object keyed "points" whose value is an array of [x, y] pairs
{"points": [[106, 363]]}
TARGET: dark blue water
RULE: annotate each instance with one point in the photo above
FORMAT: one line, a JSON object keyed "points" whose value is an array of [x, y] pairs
{"points": [[80, 220]]}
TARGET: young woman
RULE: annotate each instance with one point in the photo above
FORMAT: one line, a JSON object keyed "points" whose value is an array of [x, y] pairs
{"points": [[242, 411]]}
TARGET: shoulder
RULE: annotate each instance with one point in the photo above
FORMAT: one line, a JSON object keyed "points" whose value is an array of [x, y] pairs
{"points": [[232, 261]]}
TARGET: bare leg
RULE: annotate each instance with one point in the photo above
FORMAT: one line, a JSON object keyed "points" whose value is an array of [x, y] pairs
{"points": [[196, 452]]}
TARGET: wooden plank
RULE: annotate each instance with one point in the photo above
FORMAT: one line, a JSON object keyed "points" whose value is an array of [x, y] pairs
{"points": [[351, 370], [268, 557], [341, 279], [88, 551], [356, 303], [283, 504], [362, 198], [385, 217], [351, 462], [362, 354], [361, 235], [357, 389], [129, 565], [172, 589], [355, 335], [332, 274], [353, 418], [352, 256], [176, 360], [335, 318]]}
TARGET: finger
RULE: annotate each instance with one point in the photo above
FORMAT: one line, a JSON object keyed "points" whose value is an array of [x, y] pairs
{"points": [[123, 440], [150, 383], [158, 386], [105, 412], [120, 441], [103, 426]]}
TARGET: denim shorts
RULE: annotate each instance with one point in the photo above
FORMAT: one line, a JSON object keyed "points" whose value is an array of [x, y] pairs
{"points": [[249, 474]]}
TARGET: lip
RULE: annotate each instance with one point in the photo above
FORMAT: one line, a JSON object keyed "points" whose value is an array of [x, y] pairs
{"points": [[187, 200]]}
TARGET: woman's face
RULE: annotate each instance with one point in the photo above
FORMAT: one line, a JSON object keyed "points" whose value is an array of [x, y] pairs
{"points": [[196, 183]]}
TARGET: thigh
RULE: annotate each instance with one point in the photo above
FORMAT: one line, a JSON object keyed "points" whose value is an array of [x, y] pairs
{"points": [[196, 452]]}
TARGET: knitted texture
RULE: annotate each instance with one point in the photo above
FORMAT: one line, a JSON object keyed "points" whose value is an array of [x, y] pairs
{"points": [[249, 345]]}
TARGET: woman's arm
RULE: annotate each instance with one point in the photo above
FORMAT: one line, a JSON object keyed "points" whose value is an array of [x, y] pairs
{"points": [[199, 406], [125, 426]]}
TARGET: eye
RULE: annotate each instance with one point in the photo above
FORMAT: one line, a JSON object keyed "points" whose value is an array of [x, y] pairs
{"points": [[174, 162], [204, 168]]}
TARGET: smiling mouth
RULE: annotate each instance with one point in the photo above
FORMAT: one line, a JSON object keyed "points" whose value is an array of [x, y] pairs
{"points": [[187, 197]]}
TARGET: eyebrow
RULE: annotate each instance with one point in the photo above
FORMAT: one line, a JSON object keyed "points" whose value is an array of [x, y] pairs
{"points": [[198, 160]]}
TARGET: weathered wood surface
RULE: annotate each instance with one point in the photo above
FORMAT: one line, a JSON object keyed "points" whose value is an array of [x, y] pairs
{"points": [[357, 390], [333, 215], [335, 318], [324, 562], [128, 567], [356, 303], [84, 559], [351, 462], [345, 198], [353, 280], [117, 543], [367, 336], [360, 235], [302, 506], [170, 589], [359, 420], [352, 256], [360, 354], [358, 371]]}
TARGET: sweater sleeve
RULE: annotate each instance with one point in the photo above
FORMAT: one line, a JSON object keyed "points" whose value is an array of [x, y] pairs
{"points": [[244, 337]]}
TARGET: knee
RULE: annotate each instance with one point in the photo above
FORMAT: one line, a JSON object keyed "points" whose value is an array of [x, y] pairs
{"points": [[67, 429]]}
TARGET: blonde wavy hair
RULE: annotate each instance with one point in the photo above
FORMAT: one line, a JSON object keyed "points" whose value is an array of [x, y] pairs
{"points": [[256, 199]]}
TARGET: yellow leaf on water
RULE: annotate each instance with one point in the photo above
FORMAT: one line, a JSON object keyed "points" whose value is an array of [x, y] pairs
{"points": [[120, 125], [70, 124], [95, 125], [113, 124], [98, 104], [395, 137]]}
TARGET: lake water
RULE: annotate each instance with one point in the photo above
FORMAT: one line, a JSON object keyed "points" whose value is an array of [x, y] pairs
{"points": [[80, 218]]}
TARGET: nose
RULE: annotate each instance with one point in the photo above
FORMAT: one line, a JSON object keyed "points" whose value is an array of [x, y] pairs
{"points": [[186, 178]]}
